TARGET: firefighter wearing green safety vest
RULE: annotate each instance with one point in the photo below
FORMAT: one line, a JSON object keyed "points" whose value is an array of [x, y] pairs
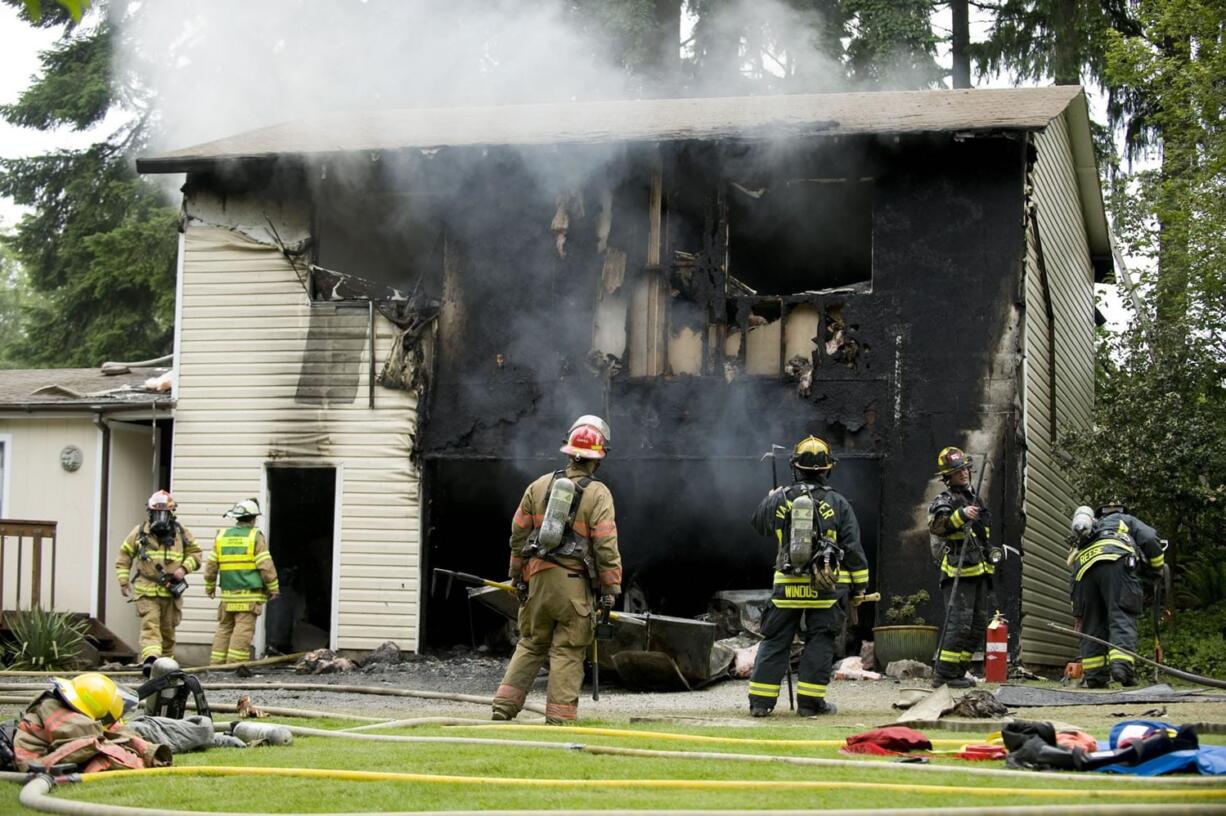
{"points": [[819, 563], [961, 530], [248, 579], [1108, 552]]}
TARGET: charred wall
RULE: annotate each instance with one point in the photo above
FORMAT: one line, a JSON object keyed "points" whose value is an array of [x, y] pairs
{"points": [[902, 341]]}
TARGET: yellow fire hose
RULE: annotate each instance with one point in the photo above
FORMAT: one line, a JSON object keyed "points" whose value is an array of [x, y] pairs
{"points": [[661, 784]]}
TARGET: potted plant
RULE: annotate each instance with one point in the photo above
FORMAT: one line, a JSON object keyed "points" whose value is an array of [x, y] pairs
{"points": [[906, 637]]}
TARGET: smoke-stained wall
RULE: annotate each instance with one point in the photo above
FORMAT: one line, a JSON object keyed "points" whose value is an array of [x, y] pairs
{"points": [[925, 356]]}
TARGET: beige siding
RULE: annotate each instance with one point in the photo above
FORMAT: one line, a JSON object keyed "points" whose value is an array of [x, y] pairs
{"points": [[1048, 497], [244, 328], [39, 489]]}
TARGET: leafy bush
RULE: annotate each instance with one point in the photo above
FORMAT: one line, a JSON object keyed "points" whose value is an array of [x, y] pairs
{"points": [[44, 640], [1202, 582], [1196, 642], [903, 608]]}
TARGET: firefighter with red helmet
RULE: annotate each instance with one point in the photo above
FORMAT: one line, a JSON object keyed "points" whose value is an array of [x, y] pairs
{"points": [[564, 559], [960, 530], [819, 564], [1108, 552], [153, 561]]}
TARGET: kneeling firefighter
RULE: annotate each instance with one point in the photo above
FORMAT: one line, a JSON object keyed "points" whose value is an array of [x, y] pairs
{"points": [[563, 552], [1108, 549], [819, 560]]}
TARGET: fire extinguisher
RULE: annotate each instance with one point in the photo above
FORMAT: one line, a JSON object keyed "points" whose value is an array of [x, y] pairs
{"points": [[996, 651]]}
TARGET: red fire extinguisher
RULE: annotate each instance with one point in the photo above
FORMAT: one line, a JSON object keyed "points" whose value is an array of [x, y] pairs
{"points": [[996, 651]]}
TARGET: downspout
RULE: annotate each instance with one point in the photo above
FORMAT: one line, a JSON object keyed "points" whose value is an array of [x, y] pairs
{"points": [[104, 501]]}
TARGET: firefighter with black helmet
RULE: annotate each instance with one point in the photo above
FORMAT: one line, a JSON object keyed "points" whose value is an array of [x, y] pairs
{"points": [[153, 562], [1109, 548], [961, 529], [564, 559], [819, 563]]}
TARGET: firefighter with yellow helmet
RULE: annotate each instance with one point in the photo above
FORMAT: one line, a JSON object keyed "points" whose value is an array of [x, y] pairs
{"points": [[78, 721], [960, 529], [248, 578], [819, 564], [153, 562], [564, 556]]}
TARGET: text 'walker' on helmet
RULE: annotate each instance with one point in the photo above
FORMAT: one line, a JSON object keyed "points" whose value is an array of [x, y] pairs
{"points": [[92, 694], [812, 453], [247, 508], [951, 460], [588, 438]]}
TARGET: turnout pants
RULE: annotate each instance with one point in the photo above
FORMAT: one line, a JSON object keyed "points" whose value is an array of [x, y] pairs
{"points": [[1108, 599], [555, 624], [818, 628], [235, 630], [158, 619], [966, 626]]}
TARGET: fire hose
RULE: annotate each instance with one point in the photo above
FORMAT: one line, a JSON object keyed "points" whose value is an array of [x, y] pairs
{"points": [[1182, 675], [265, 661]]}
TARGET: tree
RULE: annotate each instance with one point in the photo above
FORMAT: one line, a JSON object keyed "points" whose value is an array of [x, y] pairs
{"points": [[100, 243], [17, 300], [893, 45]]}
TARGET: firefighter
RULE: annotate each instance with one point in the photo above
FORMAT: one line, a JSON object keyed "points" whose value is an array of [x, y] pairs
{"points": [[960, 528], [1107, 554], [819, 560], [164, 552], [248, 581], [78, 721], [563, 556]]}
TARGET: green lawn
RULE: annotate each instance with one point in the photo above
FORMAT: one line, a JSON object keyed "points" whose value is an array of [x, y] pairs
{"points": [[486, 764]]}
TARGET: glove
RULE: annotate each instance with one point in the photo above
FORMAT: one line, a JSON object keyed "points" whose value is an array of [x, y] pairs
{"points": [[125, 590], [521, 590], [607, 601], [210, 593]]}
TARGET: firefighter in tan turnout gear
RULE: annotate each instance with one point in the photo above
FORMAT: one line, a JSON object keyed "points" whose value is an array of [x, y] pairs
{"points": [[563, 552], [248, 580], [819, 563], [163, 552]]}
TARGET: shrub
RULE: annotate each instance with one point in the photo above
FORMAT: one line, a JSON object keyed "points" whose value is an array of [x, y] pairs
{"points": [[1195, 643], [903, 608], [44, 640]]}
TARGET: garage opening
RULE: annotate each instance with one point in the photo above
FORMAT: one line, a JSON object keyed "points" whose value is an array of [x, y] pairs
{"points": [[301, 517]]}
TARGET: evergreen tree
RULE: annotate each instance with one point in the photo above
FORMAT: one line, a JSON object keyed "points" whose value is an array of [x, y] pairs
{"points": [[100, 244]]}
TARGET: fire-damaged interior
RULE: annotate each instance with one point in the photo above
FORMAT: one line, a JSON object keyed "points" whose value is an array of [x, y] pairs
{"points": [[711, 299]]}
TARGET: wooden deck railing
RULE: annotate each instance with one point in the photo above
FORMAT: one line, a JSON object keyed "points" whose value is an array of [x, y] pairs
{"points": [[14, 534]]}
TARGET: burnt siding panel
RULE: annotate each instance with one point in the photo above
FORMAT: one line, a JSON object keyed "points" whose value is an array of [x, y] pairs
{"points": [[244, 338], [947, 252], [1049, 500]]}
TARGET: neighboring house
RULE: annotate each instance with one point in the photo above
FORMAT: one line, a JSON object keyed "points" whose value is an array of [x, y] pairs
{"points": [[387, 320], [84, 450]]}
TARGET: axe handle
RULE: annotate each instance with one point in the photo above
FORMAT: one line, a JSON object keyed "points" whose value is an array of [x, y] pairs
{"points": [[861, 599]]}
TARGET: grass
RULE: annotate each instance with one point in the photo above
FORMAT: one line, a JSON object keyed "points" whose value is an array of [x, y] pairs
{"points": [[491, 763]]}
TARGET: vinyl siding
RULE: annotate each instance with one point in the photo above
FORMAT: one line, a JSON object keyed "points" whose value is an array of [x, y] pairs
{"points": [[1048, 500], [244, 338]]}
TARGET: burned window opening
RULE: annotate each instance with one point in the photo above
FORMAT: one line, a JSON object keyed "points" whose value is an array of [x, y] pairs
{"points": [[794, 235]]}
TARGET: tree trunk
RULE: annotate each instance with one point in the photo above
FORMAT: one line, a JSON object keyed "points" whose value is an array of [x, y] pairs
{"points": [[960, 42], [1066, 64]]}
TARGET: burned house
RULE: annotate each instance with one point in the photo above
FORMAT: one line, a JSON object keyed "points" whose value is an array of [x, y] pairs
{"points": [[387, 320]]}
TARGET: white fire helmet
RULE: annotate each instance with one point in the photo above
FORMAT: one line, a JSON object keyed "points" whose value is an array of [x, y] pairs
{"points": [[247, 508]]}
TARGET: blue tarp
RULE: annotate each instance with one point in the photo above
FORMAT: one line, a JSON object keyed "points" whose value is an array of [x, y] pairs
{"points": [[1208, 760]]}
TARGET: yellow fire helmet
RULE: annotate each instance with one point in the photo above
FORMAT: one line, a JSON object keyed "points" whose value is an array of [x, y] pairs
{"points": [[92, 694], [951, 460], [812, 453]]}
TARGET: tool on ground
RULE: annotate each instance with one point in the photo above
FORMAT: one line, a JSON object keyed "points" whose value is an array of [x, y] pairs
{"points": [[1183, 675]]}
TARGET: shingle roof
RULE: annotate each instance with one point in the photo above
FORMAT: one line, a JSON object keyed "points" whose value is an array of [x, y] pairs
{"points": [[29, 388], [647, 120]]}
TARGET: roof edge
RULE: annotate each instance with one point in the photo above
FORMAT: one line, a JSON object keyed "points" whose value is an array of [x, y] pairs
{"points": [[1085, 167]]}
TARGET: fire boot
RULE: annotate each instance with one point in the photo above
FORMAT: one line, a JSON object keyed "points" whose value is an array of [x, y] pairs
{"points": [[759, 711], [818, 708]]}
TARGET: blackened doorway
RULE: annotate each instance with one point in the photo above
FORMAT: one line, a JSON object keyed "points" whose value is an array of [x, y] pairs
{"points": [[301, 528]]}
